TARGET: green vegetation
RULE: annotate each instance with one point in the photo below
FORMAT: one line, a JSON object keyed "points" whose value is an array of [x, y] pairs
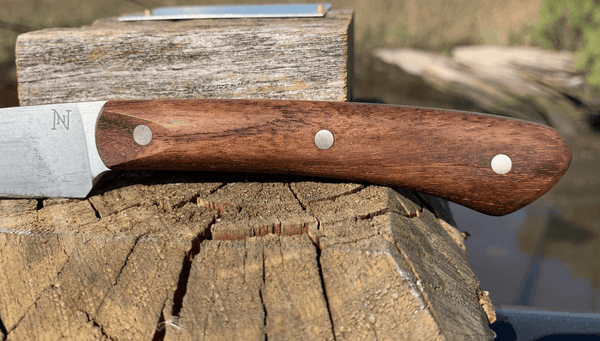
{"points": [[575, 26]]}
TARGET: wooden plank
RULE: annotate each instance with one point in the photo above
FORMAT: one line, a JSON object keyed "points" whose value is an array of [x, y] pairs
{"points": [[304, 59]]}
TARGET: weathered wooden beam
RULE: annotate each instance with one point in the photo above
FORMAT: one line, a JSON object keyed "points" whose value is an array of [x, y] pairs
{"points": [[304, 59]]}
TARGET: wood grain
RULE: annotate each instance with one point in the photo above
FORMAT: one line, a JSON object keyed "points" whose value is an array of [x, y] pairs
{"points": [[444, 153], [368, 274], [289, 58], [150, 257]]}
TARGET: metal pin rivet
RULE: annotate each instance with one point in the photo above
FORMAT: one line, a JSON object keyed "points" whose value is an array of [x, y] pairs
{"points": [[501, 164], [142, 135], [324, 139]]}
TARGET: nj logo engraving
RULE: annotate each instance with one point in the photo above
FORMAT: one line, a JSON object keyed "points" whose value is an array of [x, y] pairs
{"points": [[61, 119]]}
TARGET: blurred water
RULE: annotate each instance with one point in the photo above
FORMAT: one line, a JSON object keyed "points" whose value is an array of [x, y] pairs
{"points": [[514, 276]]}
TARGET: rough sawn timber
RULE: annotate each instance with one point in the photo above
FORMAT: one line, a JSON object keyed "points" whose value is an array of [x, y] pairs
{"points": [[217, 256]]}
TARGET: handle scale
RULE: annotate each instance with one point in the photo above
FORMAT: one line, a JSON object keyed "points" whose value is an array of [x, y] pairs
{"points": [[441, 152]]}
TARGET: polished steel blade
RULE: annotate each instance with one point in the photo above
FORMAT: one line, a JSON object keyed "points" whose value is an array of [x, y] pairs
{"points": [[231, 11], [49, 150]]}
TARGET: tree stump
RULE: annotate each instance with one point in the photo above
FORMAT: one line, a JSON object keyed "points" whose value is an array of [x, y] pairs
{"points": [[216, 256]]}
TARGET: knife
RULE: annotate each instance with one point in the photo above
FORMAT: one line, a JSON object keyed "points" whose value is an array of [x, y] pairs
{"points": [[491, 164]]}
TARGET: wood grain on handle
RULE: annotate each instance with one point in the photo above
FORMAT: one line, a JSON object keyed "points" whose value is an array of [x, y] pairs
{"points": [[441, 152]]}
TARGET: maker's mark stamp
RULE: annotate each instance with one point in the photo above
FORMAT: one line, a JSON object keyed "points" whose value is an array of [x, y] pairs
{"points": [[61, 119]]}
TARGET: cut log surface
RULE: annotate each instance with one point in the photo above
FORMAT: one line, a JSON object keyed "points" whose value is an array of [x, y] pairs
{"points": [[222, 256], [189, 256]]}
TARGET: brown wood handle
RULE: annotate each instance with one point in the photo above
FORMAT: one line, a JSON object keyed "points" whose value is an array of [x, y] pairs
{"points": [[441, 152]]}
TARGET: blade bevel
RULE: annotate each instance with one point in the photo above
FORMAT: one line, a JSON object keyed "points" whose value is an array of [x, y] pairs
{"points": [[90, 112]]}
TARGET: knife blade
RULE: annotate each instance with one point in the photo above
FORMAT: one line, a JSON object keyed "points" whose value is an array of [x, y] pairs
{"points": [[491, 164]]}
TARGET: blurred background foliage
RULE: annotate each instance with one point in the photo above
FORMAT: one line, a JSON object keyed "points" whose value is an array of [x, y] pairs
{"points": [[574, 26]]}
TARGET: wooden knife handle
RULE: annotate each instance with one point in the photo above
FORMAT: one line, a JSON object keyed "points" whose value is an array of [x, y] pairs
{"points": [[441, 152]]}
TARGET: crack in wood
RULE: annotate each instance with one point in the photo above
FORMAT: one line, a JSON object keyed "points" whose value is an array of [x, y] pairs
{"points": [[260, 294], [332, 197], [3, 330], [95, 209], [221, 185], [95, 324], [322, 278], [161, 330], [27, 311], [409, 213], [421, 291], [298, 224], [186, 267], [296, 196], [374, 214], [120, 272], [442, 248], [116, 281]]}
